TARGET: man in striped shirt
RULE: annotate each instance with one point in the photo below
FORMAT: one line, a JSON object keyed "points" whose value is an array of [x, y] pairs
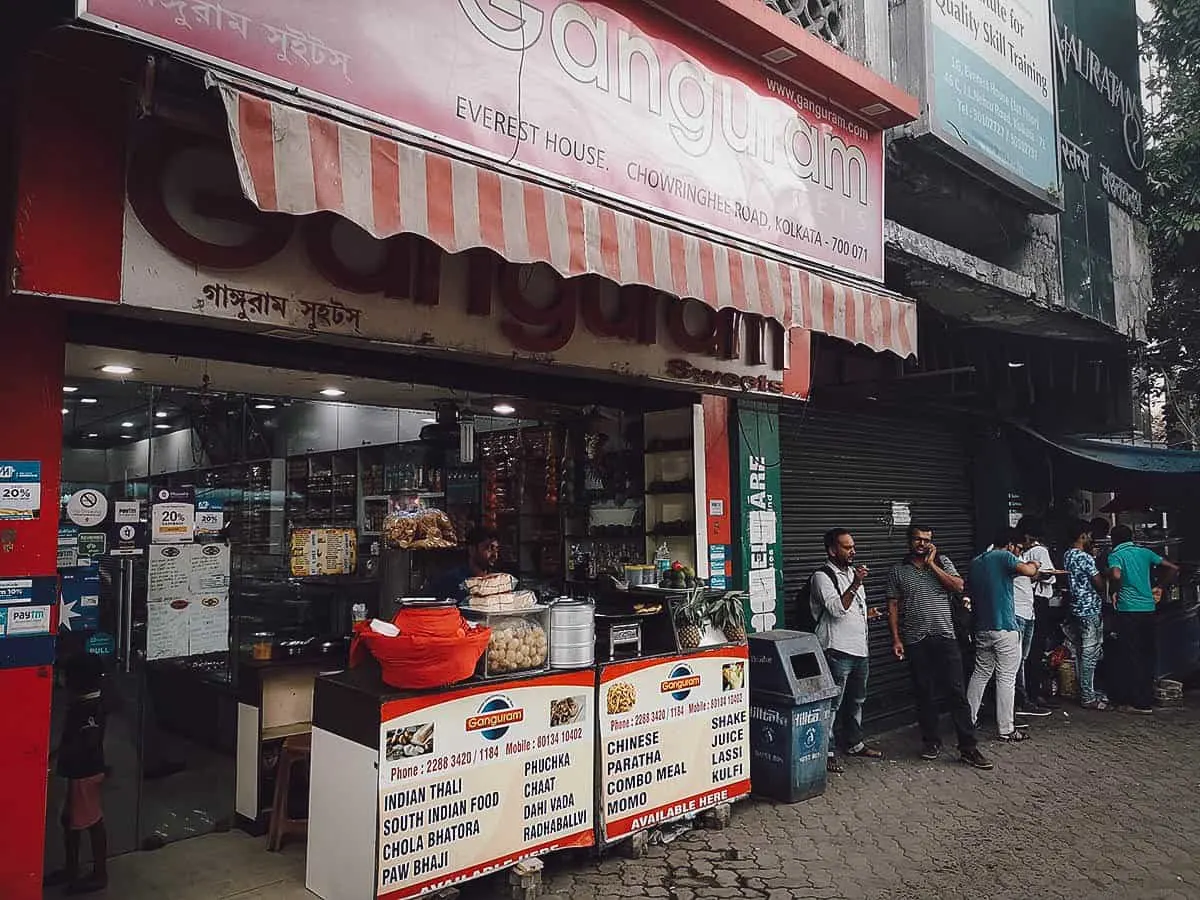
{"points": [[920, 593]]}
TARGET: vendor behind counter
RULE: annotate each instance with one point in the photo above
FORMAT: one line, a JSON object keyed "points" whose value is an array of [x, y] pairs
{"points": [[483, 555]]}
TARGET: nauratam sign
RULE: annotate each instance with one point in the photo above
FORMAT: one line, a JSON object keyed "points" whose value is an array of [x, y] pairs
{"points": [[613, 99]]}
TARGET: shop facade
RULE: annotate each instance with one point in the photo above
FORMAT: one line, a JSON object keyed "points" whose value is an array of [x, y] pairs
{"points": [[220, 243]]}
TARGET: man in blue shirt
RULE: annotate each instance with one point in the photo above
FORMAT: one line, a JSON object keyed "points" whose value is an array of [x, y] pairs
{"points": [[1087, 585], [997, 638], [1131, 569]]}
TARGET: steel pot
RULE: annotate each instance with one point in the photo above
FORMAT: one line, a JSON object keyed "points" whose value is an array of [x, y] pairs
{"points": [[572, 634]]}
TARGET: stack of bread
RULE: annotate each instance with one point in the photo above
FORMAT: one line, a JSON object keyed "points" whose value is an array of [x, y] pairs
{"points": [[497, 593]]}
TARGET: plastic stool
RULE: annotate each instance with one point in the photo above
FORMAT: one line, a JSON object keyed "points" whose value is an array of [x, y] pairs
{"points": [[296, 749]]}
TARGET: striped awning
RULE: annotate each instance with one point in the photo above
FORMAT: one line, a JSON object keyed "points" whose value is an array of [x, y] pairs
{"points": [[291, 160]]}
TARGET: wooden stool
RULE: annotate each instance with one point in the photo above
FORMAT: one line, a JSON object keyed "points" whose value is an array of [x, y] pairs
{"points": [[296, 749]]}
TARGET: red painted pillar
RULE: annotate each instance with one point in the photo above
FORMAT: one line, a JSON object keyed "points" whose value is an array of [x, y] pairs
{"points": [[30, 429]]}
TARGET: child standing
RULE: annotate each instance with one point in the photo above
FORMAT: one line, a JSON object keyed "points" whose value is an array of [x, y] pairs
{"points": [[81, 763]]}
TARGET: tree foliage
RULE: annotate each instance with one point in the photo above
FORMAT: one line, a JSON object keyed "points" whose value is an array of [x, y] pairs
{"points": [[1173, 163]]}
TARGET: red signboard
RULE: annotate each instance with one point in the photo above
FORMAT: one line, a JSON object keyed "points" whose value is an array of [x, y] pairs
{"points": [[616, 99]]}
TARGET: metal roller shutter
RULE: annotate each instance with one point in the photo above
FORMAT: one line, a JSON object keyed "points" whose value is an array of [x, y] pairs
{"points": [[845, 470]]}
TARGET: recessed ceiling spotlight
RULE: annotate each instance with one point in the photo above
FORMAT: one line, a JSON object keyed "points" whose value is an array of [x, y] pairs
{"points": [[126, 424], [93, 434], [264, 405], [1016, 365], [116, 369], [161, 425], [333, 392], [161, 414], [69, 389], [504, 409], [88, 400]]}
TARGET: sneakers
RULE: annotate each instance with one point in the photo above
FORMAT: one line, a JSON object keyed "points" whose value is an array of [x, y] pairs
{"points": [[1095, 704], [975, 759], [1034, 709], [931, 751]]}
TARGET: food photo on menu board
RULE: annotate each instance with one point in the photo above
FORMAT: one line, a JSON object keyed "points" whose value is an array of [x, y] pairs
{"points": [[472, 780]]}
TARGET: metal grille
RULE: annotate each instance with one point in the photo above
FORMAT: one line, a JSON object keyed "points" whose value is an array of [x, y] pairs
{"points": [[846, 470], [824, 18]]}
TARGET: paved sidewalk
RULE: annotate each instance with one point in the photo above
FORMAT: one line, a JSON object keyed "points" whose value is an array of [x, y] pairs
{"points": [[1097, 805]]}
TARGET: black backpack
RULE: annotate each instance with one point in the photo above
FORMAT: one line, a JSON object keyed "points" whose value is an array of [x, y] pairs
{"points": [[806, 619]]}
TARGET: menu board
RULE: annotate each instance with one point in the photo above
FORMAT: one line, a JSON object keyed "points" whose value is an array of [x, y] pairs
{"points": [[674, 737], [187, 599], [323, 551], [474, 780]]}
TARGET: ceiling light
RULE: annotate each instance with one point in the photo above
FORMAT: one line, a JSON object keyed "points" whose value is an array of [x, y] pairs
{"points": [[161, 414], [126, 424], [127, 437], [333, 392], [504, 409], [114, 369], [264, 406], [69, 389], [423, 421], [93, 434], [161, 425], [65, 410], [1016, 365], [88, 400]]}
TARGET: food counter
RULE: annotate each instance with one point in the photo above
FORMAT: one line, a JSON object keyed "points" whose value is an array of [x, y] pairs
{"points": [[673, 737], [416, 790]]}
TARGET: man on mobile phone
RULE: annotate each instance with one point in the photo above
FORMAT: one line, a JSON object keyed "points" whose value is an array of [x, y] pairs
{"points": [[920, 590], [839, 601]]}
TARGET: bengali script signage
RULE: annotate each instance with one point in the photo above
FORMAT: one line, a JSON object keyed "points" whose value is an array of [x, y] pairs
{"points": [[674, 737], [1102, 144], [324, 276], [615, 99], [473, 781], [991, 91]]}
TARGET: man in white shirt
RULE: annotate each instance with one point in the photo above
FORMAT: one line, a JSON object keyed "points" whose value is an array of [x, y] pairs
{"points": [[839, 607], [1026, 593]]}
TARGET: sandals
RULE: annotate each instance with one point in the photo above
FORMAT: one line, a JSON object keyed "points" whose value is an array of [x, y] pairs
{"points": [[1014, 737], [865, 752]]}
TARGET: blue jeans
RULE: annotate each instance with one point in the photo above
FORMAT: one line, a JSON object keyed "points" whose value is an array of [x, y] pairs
{"points": [[1025, 628], [1089, 650], [850, 674]]}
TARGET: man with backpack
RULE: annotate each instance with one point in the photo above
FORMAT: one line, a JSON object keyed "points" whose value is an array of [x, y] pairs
{"points": [[837, 610]]}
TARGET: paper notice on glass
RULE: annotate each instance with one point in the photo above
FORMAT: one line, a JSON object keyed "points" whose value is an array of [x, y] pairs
{"points": [[209, 569], [209, 627], [167, 625], [169, 571]]}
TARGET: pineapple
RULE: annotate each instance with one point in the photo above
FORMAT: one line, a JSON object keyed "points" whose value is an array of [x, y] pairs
{"points": [[727, 614], [689, 621]]}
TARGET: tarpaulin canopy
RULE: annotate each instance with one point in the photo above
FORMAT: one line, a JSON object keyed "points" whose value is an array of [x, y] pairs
{"points": [[293, 160], [1157, 475]]}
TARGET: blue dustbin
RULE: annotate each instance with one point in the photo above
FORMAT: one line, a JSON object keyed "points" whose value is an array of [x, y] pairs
{"points": [[791, 703]]}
